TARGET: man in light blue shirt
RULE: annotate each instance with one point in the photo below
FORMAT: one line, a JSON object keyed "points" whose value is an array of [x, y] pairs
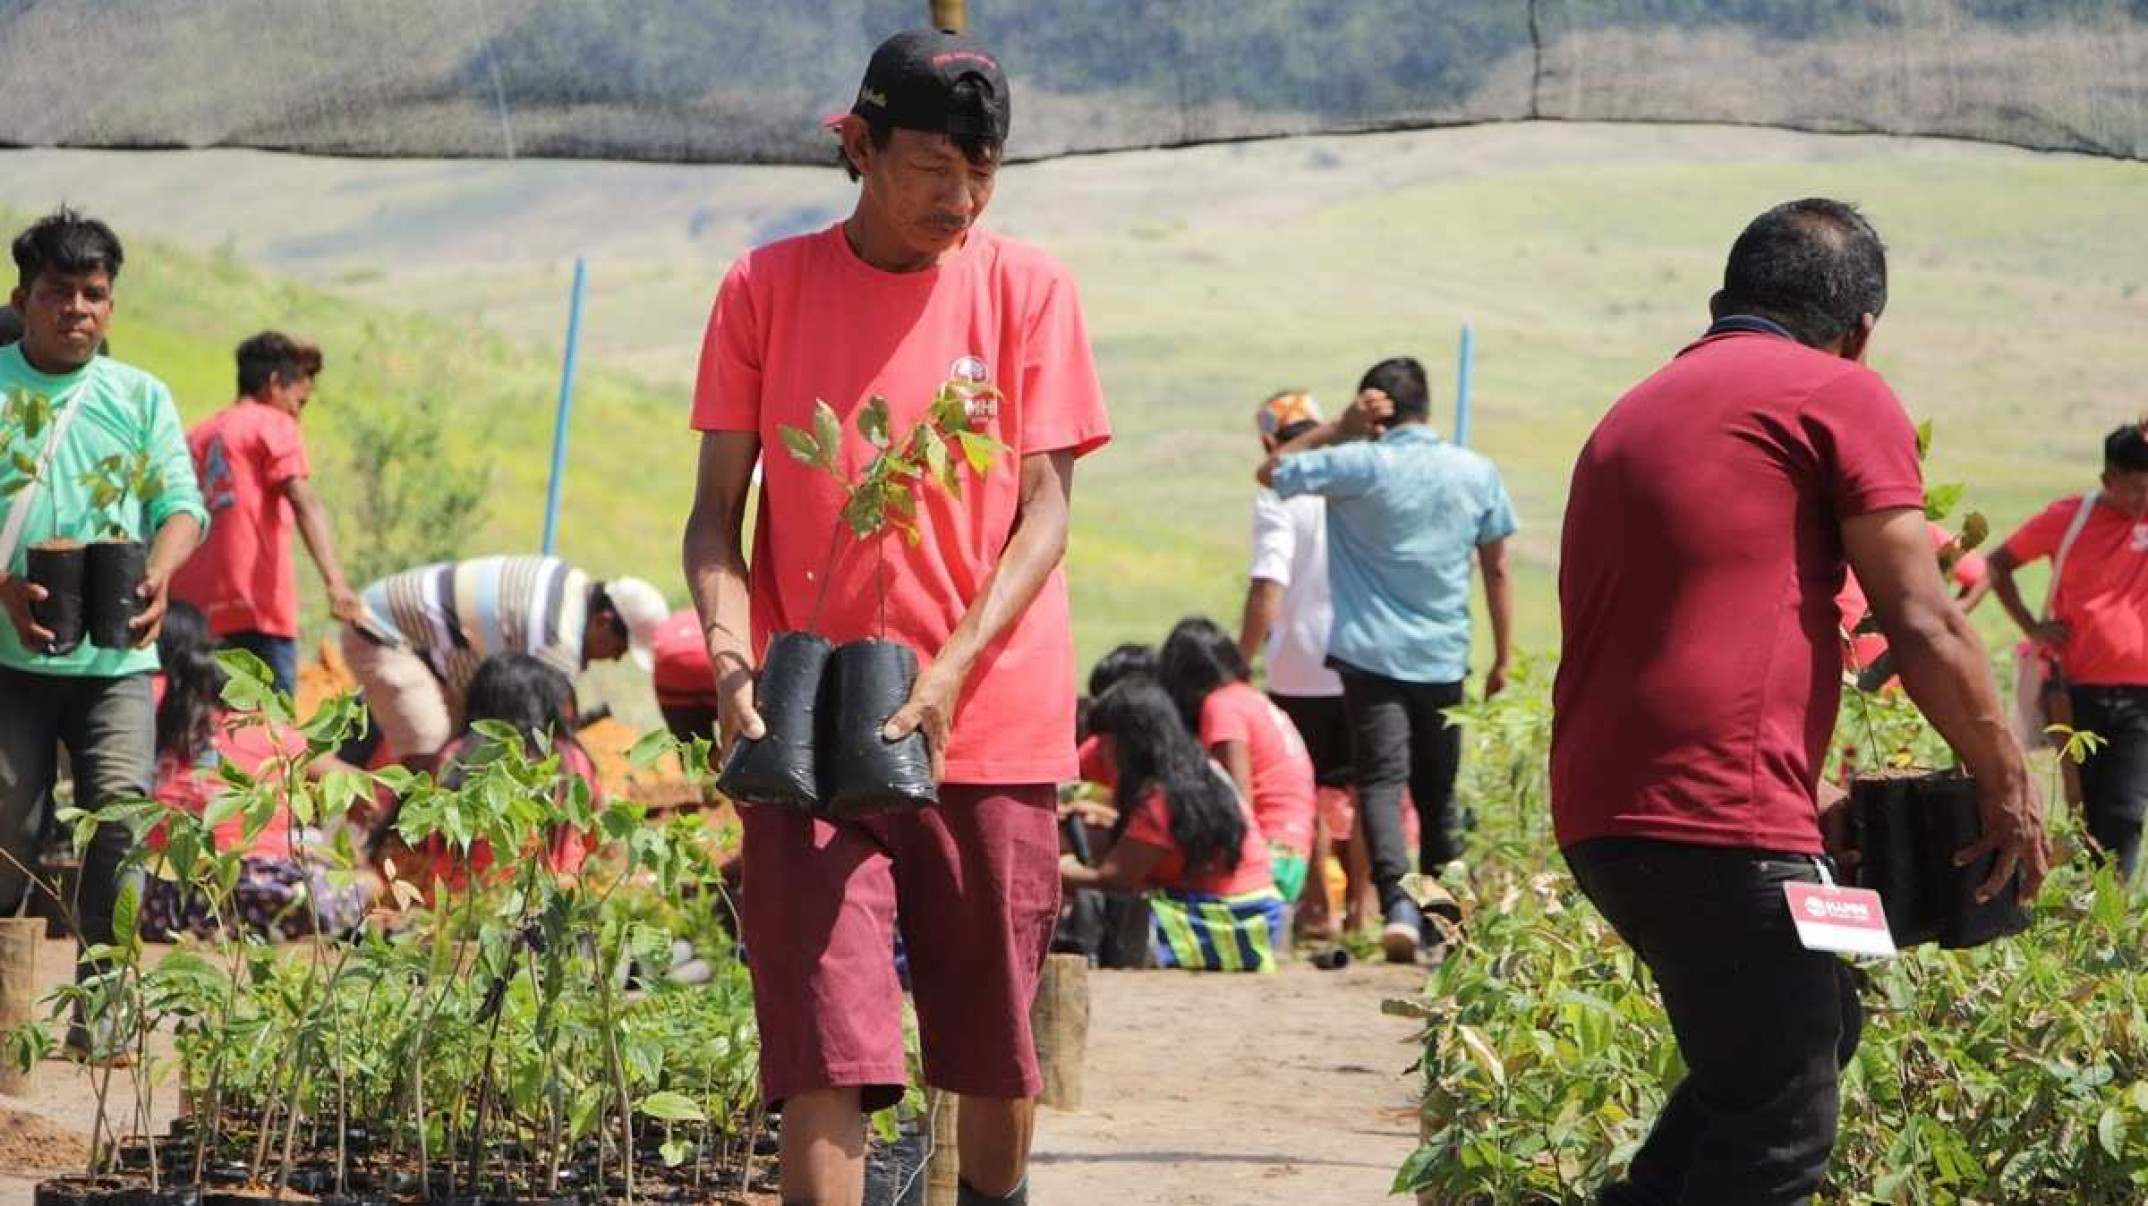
{"points": [[1406, 511]]}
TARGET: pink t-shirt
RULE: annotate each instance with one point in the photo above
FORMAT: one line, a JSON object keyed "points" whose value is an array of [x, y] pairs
{"points": [[248, 747], [1151, 826], [242, 577], [1284, 800], [804, 320], [2102, 592]]}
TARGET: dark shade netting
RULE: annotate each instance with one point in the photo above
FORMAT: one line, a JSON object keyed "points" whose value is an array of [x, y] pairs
{"points": [[746, 81]]}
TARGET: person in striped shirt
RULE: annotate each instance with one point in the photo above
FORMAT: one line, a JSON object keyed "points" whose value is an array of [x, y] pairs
{"points": [[425, 631]]}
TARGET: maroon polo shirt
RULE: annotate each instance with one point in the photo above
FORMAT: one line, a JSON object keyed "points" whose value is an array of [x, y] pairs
{"points": [[1702, 658]]}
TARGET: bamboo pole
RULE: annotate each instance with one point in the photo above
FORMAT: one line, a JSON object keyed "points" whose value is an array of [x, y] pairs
{"points": [[943, 1171], [18, 990], [951, 15], [1060, 1020]]}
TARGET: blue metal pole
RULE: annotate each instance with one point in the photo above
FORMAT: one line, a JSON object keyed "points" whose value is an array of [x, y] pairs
{"points": [[566, 406], [1465, 368]]}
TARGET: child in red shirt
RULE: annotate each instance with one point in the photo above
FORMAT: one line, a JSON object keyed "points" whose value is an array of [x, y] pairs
{"points": [[1184, 833], [537, 700], [1254, 740]]}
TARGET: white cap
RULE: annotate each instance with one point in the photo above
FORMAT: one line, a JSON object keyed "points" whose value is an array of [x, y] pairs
{"points": [[642, 609]]}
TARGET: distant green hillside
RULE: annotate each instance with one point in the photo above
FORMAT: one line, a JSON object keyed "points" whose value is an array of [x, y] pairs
{"points": [[181, 314]]}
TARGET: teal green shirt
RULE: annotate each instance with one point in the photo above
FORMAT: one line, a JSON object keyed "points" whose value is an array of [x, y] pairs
{"points": [[127, 411]]}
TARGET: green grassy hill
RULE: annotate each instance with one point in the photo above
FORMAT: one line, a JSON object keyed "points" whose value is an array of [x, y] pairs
{"points": [[1584, 255]]}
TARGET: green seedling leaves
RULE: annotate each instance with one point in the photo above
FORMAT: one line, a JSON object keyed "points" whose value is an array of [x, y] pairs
{"points": [[671, 1107], [1940, 500]]}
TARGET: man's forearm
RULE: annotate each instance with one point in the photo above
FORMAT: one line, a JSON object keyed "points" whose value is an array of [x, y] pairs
{"points": [[2009, 592], [1944, 668], [174, 543], [1499, 606], [716, 574], [1264, 602], [315, 530]]}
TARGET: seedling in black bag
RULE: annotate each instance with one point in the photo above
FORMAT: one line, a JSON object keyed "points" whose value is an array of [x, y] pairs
{"points": [[116, 563], [824, 708]]}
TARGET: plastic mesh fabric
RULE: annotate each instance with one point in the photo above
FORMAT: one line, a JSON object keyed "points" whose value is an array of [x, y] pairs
{"points": [[746, 80]]}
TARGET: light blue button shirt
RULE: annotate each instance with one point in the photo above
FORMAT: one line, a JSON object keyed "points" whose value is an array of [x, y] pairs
{"points": [[1405, 514]]}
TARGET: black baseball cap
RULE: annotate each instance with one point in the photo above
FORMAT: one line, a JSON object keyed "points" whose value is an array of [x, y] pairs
{"points": [[910, 84]]}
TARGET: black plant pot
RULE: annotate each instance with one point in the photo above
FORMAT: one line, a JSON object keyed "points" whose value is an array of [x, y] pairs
{"points": [[1907, 829], [59, 568], [111, 591], [81, 1191], [861, 773], [778, 768]]}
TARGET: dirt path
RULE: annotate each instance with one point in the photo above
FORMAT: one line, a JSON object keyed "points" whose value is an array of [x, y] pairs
{"points": [[1182, 1107]]}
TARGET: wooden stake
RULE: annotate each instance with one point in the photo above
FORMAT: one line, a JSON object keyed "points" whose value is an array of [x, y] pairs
{"points": [[951, 15], [943, 1172], [1060, 1020], [18, 989]]}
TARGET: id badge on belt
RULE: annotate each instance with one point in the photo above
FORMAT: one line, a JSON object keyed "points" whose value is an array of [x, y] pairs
{"points": [[1848, 921]]}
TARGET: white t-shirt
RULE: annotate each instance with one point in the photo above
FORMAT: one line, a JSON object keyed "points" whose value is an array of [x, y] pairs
{"points": [[1290, 547]]}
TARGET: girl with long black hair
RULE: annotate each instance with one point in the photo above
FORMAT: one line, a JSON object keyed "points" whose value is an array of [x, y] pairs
{"points": [[1184, 833], [194, 734], [1257, 742]]}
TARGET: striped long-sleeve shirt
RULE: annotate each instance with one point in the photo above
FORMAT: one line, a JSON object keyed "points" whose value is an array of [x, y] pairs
{"points": [[455, 614]]}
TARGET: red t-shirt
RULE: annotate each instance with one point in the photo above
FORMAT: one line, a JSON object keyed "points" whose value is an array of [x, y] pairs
{"points": [[2102, 593], [1702, 661], [1151, 826], [1864, 648], [1094, 763], [1284, 800], [682, 673], [242, 577], [806, 319], [248, 747]]}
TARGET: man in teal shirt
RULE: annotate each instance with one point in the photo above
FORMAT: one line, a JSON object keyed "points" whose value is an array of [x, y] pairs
{"points": [[96, 701], [1405, 512]]}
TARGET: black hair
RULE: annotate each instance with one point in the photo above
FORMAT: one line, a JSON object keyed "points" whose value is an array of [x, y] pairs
{"points": [[2126, 449], [1197, 659], [274, 356], [1816, 266], [518, 689], [1285, 434], [10, 326], [193, 684], [65, 241], [967, 99], [1155, 751], [1402, 379], [1130, 658]]}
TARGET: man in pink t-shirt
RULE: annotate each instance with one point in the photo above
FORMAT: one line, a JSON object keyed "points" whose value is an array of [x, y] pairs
{"points": [[1707, 529], [902, 296], [255, 478]]}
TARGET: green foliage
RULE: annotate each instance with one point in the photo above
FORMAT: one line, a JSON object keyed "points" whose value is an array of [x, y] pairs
{"points": [[24, 416], [524, 1015], [935, 451], [118, 482], [2017, 1072], [414, 502]]}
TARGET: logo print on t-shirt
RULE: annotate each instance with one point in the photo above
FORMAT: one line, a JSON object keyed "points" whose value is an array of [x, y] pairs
{"points": [[2140, 538], [218, 492], [984, 407]]}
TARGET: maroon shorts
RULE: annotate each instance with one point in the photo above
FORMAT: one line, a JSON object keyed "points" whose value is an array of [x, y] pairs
{"points": [[975, 886]]}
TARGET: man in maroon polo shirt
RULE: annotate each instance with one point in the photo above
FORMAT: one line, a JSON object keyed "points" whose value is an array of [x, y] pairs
{"points": [[1709, 520]]}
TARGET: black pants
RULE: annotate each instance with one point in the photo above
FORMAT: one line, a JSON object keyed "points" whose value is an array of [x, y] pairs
{"points": [[1764, 1024], [1324, 723], [2114, 780], [1401, 738]]}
